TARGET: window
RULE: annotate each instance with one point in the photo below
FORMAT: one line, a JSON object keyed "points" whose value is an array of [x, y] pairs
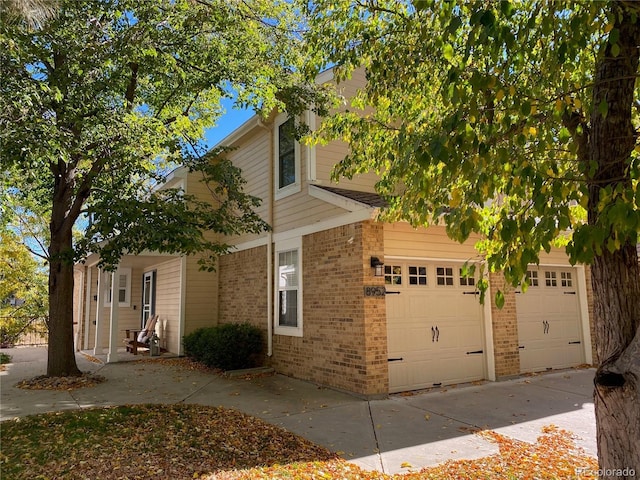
{"points": [[417, 275], [532, 278], [444, 276], [393, 275], [288, 302], [123, 286], [550, 279], [565, 279], [466, 280], [287, 162]]}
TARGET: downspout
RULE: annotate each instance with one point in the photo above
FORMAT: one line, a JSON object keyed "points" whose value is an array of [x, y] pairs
{"points": [[270, 241]]}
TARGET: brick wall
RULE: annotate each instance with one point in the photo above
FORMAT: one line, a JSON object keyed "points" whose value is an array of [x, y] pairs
{"points": [[243, 288], [592, 329], [344, 333], [505, 329]]}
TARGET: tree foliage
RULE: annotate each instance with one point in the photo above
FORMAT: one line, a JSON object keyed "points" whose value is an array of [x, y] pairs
{"points": [[518, 121], [23, 287], [481, 114], [107, 97]]}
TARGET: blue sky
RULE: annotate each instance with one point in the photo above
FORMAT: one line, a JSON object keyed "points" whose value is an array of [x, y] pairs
{"points": [[231, 120]]}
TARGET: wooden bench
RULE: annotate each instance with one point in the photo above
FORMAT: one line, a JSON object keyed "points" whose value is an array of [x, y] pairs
{"points": [[133, 343]]}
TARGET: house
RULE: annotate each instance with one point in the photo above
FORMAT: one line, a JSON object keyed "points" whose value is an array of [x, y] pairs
{"points": [[343, 300]]}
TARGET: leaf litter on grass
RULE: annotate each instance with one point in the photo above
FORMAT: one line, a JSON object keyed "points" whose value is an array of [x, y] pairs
{"points": [[192, 441]]}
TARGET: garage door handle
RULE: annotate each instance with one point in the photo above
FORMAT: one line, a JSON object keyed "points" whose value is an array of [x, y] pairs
{"points": [[569, 293], [521, 346], [391, 293], [471, 293], [575, 343], [395, 359], [475, 351]]}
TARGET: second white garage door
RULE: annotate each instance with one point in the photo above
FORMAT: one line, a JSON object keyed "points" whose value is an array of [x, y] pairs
{"points": [[434, 325], [549, 322]]}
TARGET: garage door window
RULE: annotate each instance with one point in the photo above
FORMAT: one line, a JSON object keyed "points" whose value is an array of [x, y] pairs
{"points": [[444, 276], [532, 278], [466, 280], [550, 279], [565, 279], [417, 275], [393, 274]]}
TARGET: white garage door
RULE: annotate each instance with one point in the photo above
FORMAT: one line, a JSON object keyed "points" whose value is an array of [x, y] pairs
{"points": [[434, 325], [549, 324]]}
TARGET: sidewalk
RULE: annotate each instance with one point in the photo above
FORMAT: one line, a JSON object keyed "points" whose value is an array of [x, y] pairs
{"points": [[423, 429]]}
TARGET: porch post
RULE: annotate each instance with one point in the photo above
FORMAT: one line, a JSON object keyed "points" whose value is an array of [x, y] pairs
{"points": [[97, 346], [112, 356], [87, 307]]}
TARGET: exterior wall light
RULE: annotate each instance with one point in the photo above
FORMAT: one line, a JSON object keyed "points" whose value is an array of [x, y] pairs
{"points": [[378, 267]]}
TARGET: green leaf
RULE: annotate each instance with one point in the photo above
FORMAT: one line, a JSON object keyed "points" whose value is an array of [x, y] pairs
{"points": [[603, 108], [615, 50], [447, 52], [499, 297]]}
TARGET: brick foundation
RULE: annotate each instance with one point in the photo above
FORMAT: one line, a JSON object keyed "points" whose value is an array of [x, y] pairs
{"points": [[505, 329], [344, 343], [243, 288]]}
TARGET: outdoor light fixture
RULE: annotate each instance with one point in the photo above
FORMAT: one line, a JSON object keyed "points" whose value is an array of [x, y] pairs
{"points": [[377, 265]]}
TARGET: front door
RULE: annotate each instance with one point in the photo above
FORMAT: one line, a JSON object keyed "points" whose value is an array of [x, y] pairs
{"points": [[148, 296]]}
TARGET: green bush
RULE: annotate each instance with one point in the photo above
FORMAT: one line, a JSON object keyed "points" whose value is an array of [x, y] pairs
{"points": [[230, 346]]}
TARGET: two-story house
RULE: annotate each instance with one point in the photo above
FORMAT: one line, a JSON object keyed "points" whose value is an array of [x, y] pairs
{"points": [[343, 299]]}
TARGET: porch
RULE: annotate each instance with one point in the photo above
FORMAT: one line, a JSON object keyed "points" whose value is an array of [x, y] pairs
{"points": [[143, 285]]}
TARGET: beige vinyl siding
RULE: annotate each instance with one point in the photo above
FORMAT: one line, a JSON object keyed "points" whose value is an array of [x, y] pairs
{"points": [[556, 256], [201, 300], [251, 155], [301, 209], [168, 278], [400, 239], [327, 156], [128, 317]]}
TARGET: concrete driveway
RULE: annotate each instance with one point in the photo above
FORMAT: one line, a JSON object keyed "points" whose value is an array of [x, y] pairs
{"points": [[420, 429]]}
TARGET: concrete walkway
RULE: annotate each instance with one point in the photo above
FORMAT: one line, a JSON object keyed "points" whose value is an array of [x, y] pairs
{"points": [[422, 429]]}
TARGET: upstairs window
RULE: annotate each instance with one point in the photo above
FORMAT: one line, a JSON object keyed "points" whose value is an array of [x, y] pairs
{"points": [[287, 164]]}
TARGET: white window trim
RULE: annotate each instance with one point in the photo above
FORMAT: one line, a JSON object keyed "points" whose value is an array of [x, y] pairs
{"points": [[107, 292], [295, 187], [284, 246]]}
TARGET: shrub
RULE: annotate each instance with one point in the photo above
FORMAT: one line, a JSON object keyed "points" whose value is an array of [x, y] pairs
{"points": [[230, 346], [4, 358]]}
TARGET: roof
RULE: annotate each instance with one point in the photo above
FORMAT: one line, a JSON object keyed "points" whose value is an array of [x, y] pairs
{"points": [[366, 198]]}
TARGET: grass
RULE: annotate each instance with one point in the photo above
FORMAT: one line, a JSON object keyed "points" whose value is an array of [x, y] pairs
{"points": [[4, 358], [191, 441]]}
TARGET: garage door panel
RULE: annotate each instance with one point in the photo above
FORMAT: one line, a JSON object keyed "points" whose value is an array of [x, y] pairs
{"points": [[434, 329], [549, 321]]}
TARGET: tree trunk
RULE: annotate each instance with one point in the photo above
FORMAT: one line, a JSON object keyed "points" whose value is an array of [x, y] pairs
{"points": [[61, 356], [615, 275], [616, 291], [61, 359]]}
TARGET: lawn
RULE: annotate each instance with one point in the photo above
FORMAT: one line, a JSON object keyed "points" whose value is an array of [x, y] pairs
{"points": [[191, 441]]}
